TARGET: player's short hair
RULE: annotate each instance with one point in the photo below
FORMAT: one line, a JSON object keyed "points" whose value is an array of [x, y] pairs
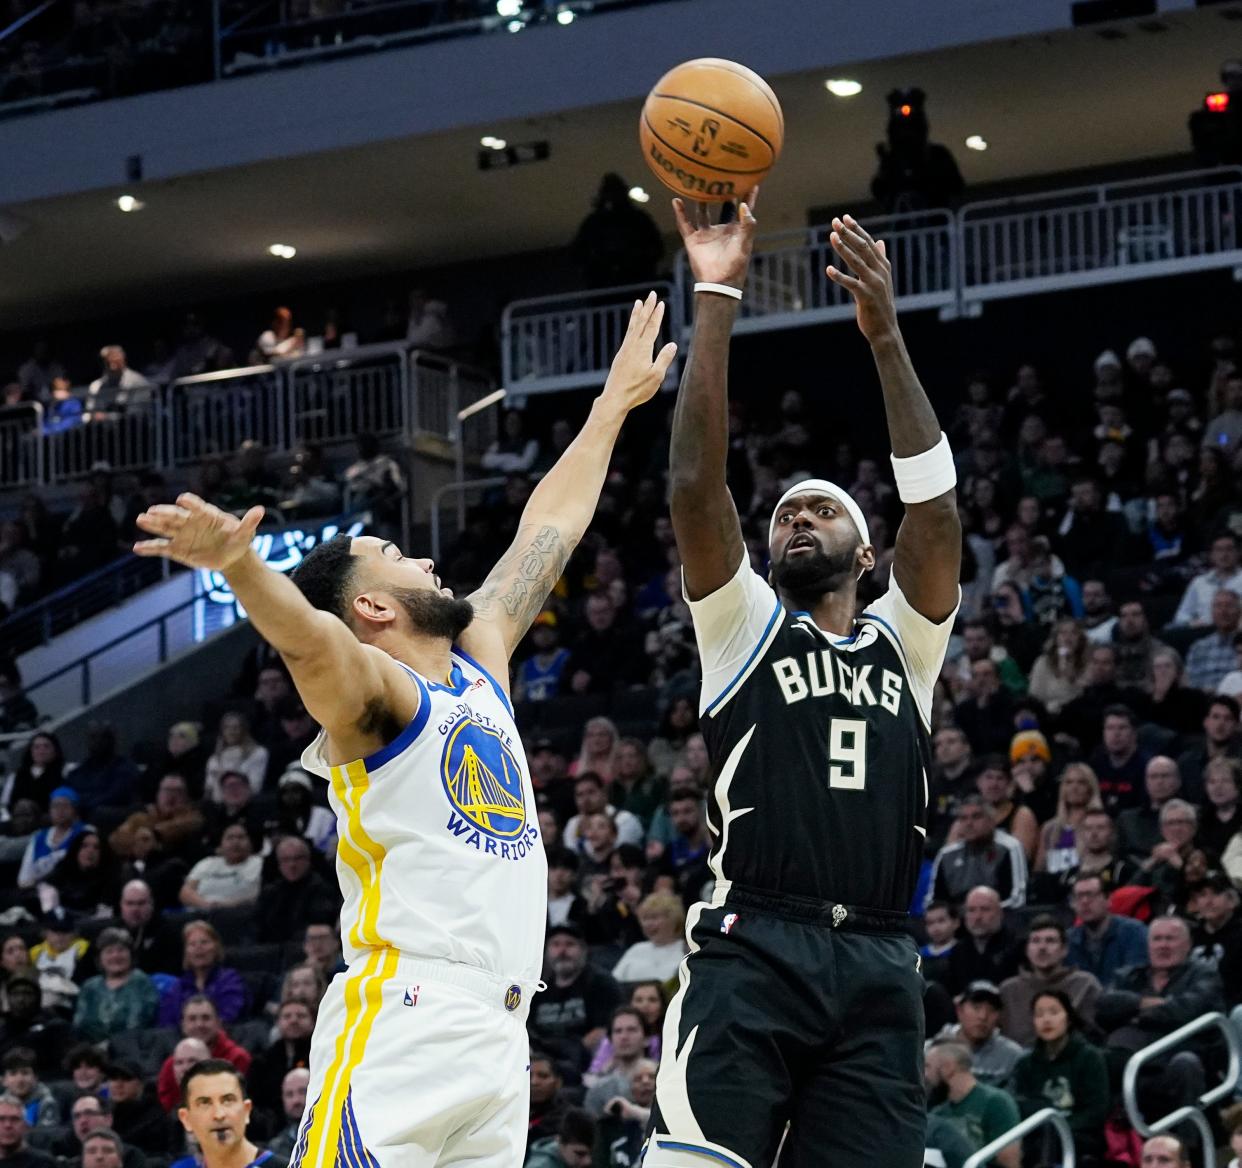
{"points": [[325, 574], [563, 858], [577, 1127], [198, 1000], [106, 1133], [84, 1055], [210, 1066], [20, 1058], [956, 1051], [1106, 887], [630, 856], [538, 1056], [1048, 921], [1231, 704], [627, 1012]]}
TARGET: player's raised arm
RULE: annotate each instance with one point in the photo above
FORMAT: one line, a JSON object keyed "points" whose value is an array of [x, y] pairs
{"points": [[319, 649], [928, 554], [561, 507], [709, 534]]}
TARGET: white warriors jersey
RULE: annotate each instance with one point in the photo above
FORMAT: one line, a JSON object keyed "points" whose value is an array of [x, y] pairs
{"points": [[439, 853]]}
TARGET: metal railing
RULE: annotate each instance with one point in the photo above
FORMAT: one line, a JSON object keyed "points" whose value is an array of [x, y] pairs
{"points": [[949, 261], [1049, 1117], [335, 395], [326, 398], [22, 448], [212, 414], [1191, 1113], [1101, 234], [787, 286], [460, 489], [157, 626], [568, 341], [38, 623], [442, 389]]}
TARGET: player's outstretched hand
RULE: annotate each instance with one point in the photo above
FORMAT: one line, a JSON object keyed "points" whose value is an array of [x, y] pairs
{"points": [[719, 253], [635, 375], [196, 534], [870, 279]]}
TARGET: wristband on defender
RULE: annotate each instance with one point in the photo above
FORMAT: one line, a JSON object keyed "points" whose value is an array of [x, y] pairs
{"points": [[719, 289], [924, 476]]}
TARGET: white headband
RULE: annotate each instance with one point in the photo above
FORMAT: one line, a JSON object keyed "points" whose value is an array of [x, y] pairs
{"points": [[823, 487]]}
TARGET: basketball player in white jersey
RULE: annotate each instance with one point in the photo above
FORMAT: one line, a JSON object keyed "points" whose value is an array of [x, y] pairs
{"points": [[420, 1051]]}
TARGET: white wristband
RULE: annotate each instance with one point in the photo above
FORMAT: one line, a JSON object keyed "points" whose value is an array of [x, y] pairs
{"points": [[721, 289], [924, 476]]}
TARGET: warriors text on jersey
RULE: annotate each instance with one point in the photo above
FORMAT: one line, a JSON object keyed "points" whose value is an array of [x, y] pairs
{"points": [[819, 745], [439, 850]]}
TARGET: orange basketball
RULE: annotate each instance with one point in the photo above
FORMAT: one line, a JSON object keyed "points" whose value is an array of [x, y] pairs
{"points": [[711, 129]]}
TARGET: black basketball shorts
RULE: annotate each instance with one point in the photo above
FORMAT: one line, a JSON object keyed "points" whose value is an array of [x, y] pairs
{"points": [[790, 1034]]}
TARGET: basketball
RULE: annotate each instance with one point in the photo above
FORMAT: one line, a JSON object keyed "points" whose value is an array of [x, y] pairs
{"points": [[711, 130]]}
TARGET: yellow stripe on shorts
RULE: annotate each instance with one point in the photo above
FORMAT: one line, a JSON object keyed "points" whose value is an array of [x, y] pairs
{"points": [[363, 995]]}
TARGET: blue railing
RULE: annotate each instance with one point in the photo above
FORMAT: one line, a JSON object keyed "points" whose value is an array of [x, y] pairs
{"points": [[40, 622], [281, 549]]}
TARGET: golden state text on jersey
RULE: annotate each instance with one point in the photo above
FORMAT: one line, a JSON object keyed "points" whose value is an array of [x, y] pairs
{"points": [[439, 851]]}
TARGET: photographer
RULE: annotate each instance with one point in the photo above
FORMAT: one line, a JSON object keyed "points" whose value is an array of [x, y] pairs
{"points": [[915, 173]]}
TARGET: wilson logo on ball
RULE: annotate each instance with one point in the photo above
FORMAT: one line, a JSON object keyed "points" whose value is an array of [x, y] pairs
{"points": [[718, 189]]}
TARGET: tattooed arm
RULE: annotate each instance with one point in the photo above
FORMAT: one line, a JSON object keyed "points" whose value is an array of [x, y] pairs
{"points": [[563, 504]]}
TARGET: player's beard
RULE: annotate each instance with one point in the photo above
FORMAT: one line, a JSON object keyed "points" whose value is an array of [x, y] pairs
{"points": [[434, 614], [808, 577]]}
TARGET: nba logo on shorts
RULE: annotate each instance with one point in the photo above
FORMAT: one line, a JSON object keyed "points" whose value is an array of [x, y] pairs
{"points": [[727, 924], [411, 995], [513, 997]]}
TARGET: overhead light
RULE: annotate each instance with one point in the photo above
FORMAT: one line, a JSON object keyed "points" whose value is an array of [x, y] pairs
{"points": [[508, 7], [282, 251], [842, 87], [566, 16], [639, 195], [128, 203], [516, 25], [976, 142], [490, 143]]}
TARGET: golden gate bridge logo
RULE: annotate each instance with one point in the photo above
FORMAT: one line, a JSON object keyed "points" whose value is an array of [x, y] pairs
{"points": [[483, 780]]}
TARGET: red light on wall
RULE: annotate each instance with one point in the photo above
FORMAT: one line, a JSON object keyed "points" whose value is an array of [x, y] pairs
{"points": [[907, 110], [1218, 103]]}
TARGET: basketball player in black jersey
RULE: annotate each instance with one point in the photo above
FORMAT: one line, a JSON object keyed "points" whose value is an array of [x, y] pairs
{"points": [[799, 1013]]}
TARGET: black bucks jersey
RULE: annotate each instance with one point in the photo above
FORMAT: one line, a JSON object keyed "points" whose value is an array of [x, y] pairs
{"points": [[820, 745]]}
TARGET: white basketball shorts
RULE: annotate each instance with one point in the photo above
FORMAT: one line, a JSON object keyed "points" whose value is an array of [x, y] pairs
{"points": [[417, 1064]]}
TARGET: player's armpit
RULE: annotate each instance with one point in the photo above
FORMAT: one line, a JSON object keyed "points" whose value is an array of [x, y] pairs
{"points": [[513, 594], [356, 692]]}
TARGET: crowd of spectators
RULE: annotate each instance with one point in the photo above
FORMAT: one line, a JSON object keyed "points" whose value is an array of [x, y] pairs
{"points": [[1080, 890]]}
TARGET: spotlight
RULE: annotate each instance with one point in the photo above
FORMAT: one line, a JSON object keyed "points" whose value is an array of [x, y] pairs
{"points": [[639, 195], [842, 87], [508, 7], [282, 251], [516, 25], [566, 16], [976, 142], [488, 142], [128, 203]]}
